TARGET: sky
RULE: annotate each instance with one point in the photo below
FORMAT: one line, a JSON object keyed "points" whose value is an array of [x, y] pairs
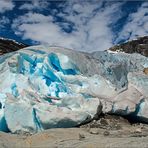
{"points": [[84, 25]]}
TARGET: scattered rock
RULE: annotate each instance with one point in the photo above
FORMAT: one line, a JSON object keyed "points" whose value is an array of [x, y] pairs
{"points": [[136, 46], [106, 133], [138, 130], [104, 122], [108, 122], [81, 136], [145, 71], [94, 131], [65, 137], [118, 127]]}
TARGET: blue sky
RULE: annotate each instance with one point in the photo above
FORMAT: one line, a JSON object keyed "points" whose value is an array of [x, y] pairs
{"points": [[77, 24]]}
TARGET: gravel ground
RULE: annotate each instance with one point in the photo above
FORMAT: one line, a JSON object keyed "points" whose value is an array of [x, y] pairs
{"points": [[109, 131]]}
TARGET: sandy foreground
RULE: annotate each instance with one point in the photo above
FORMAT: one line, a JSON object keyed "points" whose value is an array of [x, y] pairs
{"points": [[106, 132], [73, 138]]}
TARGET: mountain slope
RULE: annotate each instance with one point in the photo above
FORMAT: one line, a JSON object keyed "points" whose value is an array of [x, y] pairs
{"points": [[139, 45], [8, 45]]}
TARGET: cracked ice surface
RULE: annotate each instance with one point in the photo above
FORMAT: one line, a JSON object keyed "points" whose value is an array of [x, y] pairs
{"points": [[50, 87], [36, 92]]}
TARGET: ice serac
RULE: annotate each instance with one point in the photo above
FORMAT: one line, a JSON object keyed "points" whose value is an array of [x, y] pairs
{"points": [[126, 72], [43, 88], [51, 87]]}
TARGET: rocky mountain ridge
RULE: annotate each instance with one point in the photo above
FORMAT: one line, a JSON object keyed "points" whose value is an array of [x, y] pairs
{"points": [[9, 45], [140, 45]]}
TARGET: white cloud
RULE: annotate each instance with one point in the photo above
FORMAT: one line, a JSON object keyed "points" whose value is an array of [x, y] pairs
{"points": [[6, 5], [34, 5], [40, 28], [3, 21], [89, 20], [137, 24]]}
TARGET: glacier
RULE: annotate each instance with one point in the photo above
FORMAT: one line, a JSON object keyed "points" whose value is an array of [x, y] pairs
{"points": [[45, 87]]}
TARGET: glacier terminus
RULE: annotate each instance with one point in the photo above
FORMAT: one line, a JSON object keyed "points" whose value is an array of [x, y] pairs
{"points": [[44, 87]]}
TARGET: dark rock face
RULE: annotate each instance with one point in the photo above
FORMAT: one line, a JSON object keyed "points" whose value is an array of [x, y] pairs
{"points": [[7, 45], [136, 46]]}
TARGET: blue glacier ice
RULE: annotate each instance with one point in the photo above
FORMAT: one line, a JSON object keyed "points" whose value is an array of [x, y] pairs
{"points": [[45, 87]]}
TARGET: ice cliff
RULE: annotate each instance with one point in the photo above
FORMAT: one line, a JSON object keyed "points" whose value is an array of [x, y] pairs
{"points": [[51, 87]]}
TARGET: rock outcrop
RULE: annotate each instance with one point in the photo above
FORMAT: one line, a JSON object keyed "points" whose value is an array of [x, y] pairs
{"points": [[8, 45], [145, 70], [136, 46]]}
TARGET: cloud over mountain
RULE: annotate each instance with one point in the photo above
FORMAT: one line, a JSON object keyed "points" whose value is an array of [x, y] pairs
{"points": [[137, 24], [80, 25]]}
